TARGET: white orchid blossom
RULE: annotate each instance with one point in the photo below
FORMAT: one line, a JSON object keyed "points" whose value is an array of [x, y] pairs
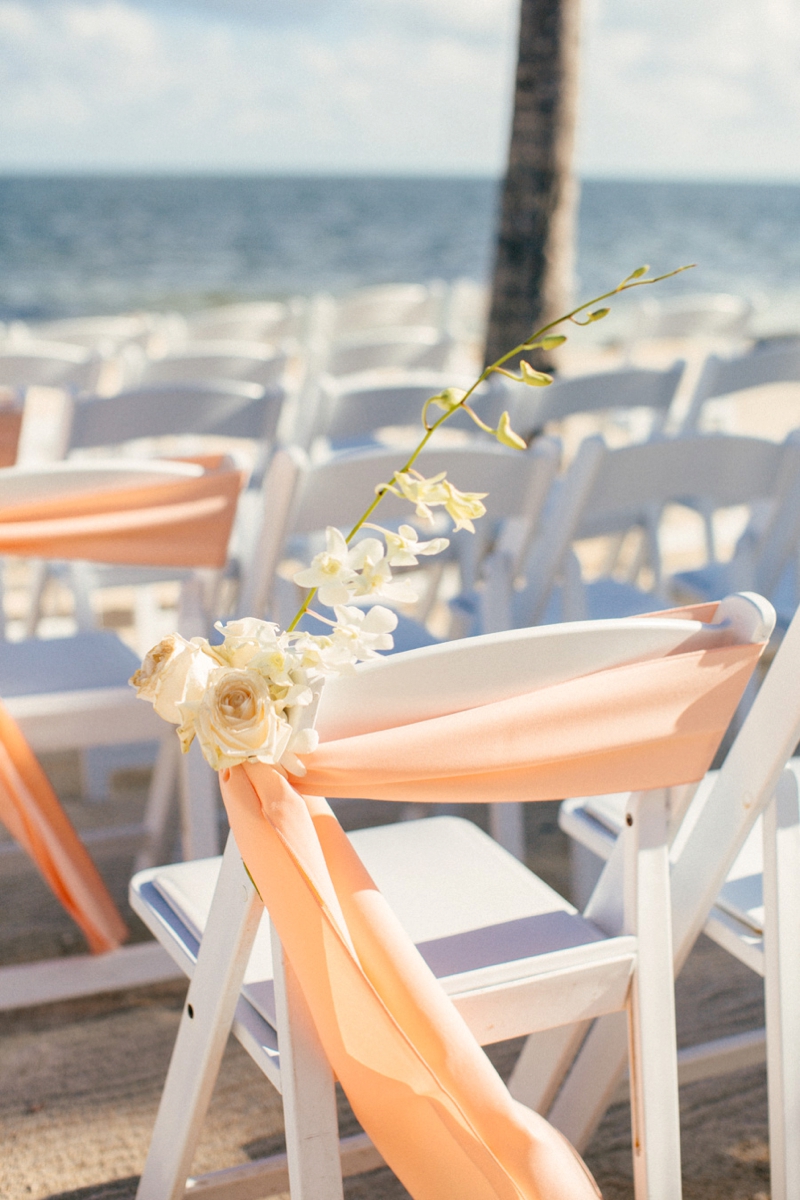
{"points": [[374, 576], [420, 491], [331, 572], [363, 633], [403, 547]]}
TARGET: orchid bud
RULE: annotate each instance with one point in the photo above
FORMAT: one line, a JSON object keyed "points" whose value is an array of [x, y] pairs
{"points": [[449, 399], [534, 378], [506, 435]]}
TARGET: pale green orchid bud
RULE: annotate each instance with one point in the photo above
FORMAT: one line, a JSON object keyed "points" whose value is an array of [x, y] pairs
{"points": [[449, 399], [547, 343], [506, 436], [639, 272], [534, 378], [597, 315]]}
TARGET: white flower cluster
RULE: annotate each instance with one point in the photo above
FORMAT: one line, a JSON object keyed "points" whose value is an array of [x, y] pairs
{"points": [[243, 699]]}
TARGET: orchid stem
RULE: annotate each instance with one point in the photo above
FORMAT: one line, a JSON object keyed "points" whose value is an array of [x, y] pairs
{"points": [[626, 285]]}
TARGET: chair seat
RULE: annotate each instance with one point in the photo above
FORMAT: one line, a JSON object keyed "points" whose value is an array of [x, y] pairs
{"points": [[480, 919], [73, 691], [70, 664]]}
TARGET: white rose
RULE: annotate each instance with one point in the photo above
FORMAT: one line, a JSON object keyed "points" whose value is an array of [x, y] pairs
{"points": [[245, 639], [173, 672], [235, 721]]}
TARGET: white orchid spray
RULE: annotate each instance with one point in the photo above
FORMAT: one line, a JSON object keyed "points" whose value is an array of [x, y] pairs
{"points": [[246, 699]]}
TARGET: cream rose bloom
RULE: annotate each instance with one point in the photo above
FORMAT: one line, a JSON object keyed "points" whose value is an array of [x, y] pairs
{"points": [[235, 721], [173, 672]]}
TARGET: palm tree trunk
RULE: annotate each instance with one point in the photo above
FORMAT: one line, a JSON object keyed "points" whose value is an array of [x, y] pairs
{"points": [[533, 268]]}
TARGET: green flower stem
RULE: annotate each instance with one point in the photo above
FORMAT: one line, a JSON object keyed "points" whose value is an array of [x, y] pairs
{"points": [[633, 280]]}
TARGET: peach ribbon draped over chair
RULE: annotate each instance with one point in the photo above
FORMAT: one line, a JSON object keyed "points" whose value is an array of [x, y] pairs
{"points": [[178, 523], [421, 1086]]}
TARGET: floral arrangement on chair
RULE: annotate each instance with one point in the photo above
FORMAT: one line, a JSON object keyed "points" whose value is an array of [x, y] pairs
{"points": [[244, 699]]}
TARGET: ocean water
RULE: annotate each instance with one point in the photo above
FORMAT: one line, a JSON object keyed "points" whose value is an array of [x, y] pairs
{"points": [[76, 245]]}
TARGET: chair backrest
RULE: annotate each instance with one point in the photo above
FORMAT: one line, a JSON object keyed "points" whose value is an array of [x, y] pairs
{"points": [[26, 485], [777, 363], [416, 347], [221, 408], [252, 361], [266, 320], [353, 407], [701, 314], [391, 304], [300, 497], [607, 492], [58, 364], [94, 331], [142, 514], [454, 676], [627, 388]]}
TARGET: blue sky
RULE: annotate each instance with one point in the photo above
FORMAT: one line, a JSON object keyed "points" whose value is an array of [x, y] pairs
{"points": [[673, 88]]}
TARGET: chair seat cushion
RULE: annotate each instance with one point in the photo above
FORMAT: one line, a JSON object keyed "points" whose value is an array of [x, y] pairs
{"points": [[469, 905], [39, 666]]}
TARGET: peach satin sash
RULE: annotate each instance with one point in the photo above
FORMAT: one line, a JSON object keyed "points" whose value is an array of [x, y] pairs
{"points": [[180, 523], [31, 812], [418, 1082], [183, 523]]}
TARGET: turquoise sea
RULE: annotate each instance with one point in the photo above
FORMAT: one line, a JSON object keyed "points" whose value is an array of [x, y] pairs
{"points": [[80, 244]]}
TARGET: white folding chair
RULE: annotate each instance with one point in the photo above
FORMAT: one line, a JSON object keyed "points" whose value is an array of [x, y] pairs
{"points": [[390, 305], [250, 321], [511, 953], [73, 691], [719, 377], [253, 362], [54, 364], [349, 410], [606, 493], [411, 347], [734, 876], [637, 399], [711, 314]]}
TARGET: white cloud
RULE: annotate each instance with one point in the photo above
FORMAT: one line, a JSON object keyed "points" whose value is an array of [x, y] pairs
{"points": [[671, 87], [117, 83], [682, 87]]}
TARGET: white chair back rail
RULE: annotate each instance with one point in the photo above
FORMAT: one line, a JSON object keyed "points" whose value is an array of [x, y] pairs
{"points": [[725, 376], [222, 408], [627, 388], [351, 408]]}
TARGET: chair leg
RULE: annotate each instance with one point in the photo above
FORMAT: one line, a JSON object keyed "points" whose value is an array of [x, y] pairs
{"points": [[203, 1032], [159, 800], [309, 1095], [199, 800], [507, 826], [782, 990], [653, 1053]]}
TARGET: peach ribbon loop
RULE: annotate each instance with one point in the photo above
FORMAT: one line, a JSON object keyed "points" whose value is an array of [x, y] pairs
{"points": [[179, 523], [417, 1080]]}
